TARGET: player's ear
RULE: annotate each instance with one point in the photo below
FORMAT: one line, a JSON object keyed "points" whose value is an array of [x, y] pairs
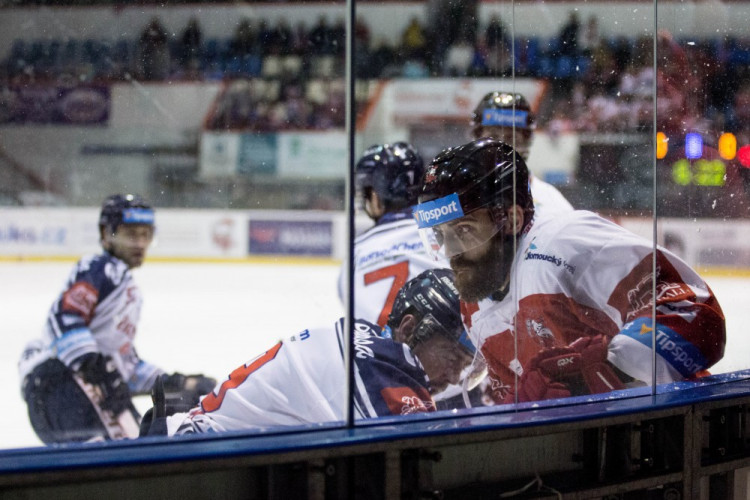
{"points": [[514, 220], [374, 206], [405, 329]]}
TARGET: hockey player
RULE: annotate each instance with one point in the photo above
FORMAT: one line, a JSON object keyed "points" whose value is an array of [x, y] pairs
{"points": [[299, 381], [390, 253], [507, 117], [560, 305], [77, 380]]}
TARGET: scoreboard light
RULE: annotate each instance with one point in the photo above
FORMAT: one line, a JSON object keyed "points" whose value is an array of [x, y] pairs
{"points": [[743, 155], [693, 146], [662, 145], [727, 146]]}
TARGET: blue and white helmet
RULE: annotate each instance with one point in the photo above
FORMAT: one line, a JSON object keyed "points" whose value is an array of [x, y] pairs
{"points": [[125, 209]]}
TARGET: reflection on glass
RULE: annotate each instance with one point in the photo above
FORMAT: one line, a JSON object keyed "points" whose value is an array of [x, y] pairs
{"points": [[702, 179], [588, 140], [238, 122], [231, 125], [576, 99]]}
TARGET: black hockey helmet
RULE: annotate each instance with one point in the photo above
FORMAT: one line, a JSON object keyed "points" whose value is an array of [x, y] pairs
{"points": [[503, 109], [394, 171], [125, 209], [484, 173], [433, 298]]}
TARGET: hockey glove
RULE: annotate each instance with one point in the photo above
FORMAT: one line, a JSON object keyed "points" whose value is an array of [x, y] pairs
{"points": [[183, 392], [154, 422], [100, 370], [581, 368]]}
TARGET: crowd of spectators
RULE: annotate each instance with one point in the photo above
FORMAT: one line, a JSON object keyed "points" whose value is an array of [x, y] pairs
{"points": [[597, 84]]}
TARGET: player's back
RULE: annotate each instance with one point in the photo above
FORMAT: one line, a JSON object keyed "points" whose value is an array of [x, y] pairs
{"points": [[548, 200], [300, 380], [385, 258]]}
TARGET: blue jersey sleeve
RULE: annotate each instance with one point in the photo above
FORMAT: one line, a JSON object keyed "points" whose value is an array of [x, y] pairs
{"points": [[92, 281]]}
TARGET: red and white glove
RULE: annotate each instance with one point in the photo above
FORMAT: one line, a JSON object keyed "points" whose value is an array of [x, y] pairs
{"points": [[578, 369]]}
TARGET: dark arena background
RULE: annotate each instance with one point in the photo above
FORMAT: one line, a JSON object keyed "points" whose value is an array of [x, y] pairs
{"points": [[241, 122]]}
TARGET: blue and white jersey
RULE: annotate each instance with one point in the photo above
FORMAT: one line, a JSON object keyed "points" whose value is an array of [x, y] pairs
{"points": [[97, 311], [386, 257], [301, 380]]}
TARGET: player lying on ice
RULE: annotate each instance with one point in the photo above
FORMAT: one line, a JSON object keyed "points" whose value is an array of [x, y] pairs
{"points": [[78, 378], [299, 381], [560, 305]]}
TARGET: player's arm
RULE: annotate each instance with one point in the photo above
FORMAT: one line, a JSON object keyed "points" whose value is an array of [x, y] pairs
{"points": [[182, 391], [690, 331], [92, 281], [234, 404], [393, 379]]}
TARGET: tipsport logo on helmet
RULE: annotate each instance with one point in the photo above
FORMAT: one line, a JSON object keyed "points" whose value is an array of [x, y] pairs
{"points": [[436, 212], [505, 118], [138, 216]]}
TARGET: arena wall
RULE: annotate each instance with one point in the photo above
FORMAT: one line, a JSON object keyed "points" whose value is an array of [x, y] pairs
{"points": [[217, 235]]}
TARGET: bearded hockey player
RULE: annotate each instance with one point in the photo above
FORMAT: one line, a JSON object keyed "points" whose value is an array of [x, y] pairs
{"points": [[561, 305], [390, 253], [508, 117], [422, 349], [77, 380]]}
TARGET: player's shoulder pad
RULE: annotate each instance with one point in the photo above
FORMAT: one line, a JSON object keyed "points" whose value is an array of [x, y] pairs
{"points": [[360, 329], [102, 270]]}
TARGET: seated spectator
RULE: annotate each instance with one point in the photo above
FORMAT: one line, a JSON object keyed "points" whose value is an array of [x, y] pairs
{"points": [[568, 37], [383, 59], [414, 40], [243, 42], [319, 37], [590, 39], [459, 57], [496, 34], [337, 35], [300, 39], [154, 52], [191, 43], [497, 58]]}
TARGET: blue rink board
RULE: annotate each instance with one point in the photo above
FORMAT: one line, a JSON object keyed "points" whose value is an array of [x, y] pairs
{"points": [[227, 445]]}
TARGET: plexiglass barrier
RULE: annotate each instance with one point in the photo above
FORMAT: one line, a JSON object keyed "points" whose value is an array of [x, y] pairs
{"points": [[590, 216]]}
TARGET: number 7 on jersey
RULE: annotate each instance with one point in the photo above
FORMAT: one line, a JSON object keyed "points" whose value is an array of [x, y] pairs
{"points": [[400, 273]]}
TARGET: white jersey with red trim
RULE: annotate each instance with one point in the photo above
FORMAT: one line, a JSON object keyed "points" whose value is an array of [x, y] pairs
{"points": [[386, 256], [97, 311], [578, 274], [301, 380], [548, 200]]}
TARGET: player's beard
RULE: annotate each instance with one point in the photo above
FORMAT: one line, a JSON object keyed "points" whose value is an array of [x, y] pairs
{"points": [[480, 277]]}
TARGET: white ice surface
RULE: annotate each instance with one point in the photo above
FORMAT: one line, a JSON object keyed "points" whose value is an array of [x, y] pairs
{"points": [[210, 318], [196, 318]]}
